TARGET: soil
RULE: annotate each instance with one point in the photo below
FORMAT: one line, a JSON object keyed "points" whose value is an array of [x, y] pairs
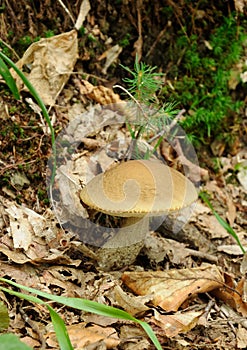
{"points": [[148, 29]]}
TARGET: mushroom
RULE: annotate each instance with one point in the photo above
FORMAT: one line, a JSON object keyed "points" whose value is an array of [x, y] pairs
{"points": [[135, 190]]}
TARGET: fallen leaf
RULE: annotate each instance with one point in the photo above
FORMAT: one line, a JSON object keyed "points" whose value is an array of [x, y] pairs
{"points": [[130, 303], [84, 9], [231, 249], [82, 335], [99, 94], [214, 228], [241, 337], [169, 289], [19, 180], [172, 325], [232, 295], [20, 227], [133, 338], [240, 5], [242, 174], [51, 61], [111, 56], [157, 248]]}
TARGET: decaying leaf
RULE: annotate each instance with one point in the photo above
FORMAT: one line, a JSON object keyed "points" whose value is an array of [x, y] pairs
{"points": [[178, 323], [156, 248], [84, 9], [51, 61], [19, 179], [233, 295], [99, 94], [21, 226], [130, 303], [241, 337], [31, 237], [231, 249], [169, 289], [239, 5], [242, 174], [82, 336], [111, 56]]}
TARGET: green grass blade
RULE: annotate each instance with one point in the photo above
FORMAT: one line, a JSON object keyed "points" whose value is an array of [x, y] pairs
{"points": [[223, 223], [12, 342], [10, 81], [60, 330], [85, 305], [4, 317], [58, 324]]}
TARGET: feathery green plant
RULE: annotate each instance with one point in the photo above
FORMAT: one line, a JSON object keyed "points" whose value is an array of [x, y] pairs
{"points": [[142, 85]]}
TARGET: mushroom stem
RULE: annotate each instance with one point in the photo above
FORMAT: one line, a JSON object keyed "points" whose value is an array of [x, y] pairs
{"points": [[123, 248], [132, 231]]}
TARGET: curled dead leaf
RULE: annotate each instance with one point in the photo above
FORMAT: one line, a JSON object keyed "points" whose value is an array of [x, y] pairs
{"points": [[51, 61], [178, 323], [99, 94], [169, 289]]}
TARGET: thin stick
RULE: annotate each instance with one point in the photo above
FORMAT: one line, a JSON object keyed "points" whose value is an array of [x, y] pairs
{"points": [[166, 129], [67, 11]]}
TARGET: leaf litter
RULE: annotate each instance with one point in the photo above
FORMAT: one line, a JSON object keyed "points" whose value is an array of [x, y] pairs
{"points": [[37, 252]]}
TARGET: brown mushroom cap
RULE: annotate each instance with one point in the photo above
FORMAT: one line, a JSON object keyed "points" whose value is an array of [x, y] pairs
{"points": [[137, 188]]}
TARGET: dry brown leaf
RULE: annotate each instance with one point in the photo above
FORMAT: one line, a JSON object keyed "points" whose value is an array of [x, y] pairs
{"points": [[239, 5], [130, 303], [231, 210], [157, 248], [133, 338], [82, 336], [99, 94], [32, 343], [111, 56], [231, 249], [84, 9], [172, 325], [241, 337], [51, 61], [169, 289], [214, 228], [232, 295], [20, 227]]}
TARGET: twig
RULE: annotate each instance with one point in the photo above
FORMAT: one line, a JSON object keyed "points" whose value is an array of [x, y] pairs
{"points": [[139, 42], [67, 11], [166, 129], [202, 255], [133, 98], [10, 48], [156, 41]]}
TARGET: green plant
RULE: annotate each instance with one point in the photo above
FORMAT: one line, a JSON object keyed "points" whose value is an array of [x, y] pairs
{"points": [[5, 73], [49, 33], [77, 303], [201, 81], [125, 41], [204, 196], [142, 86]]}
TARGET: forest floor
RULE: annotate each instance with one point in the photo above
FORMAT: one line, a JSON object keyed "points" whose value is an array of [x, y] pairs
{"points": [[189, 285]]}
